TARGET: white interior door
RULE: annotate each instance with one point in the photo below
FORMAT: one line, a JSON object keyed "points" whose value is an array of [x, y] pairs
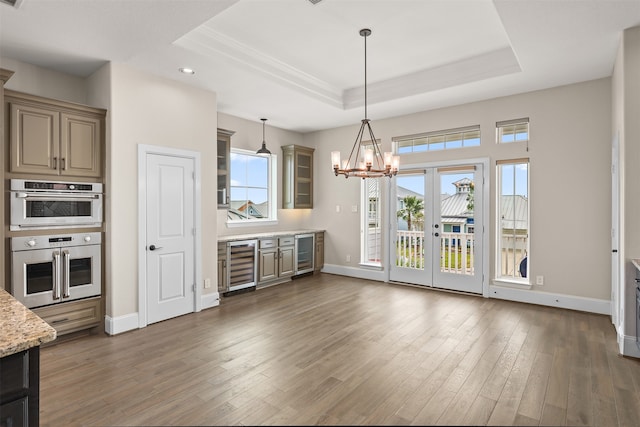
{"points": [[615, 237], [170, 241], [437, 235]]}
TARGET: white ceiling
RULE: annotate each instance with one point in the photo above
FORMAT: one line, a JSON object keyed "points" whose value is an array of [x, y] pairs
{"points": [[301, 65]]}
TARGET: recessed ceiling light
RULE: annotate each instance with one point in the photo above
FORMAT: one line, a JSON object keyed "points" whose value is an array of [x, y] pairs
{"points": [[186, 70]]}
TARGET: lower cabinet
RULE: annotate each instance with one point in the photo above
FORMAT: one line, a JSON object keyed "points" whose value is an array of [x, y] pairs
{"points": [[20, 388], [276, 259], [72, 316], [319, 256], [223, 286]]}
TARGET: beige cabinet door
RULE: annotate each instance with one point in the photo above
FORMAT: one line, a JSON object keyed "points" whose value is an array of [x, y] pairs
{"points": [[286, 261], [34, 139], [268, 264], [80, 145]]}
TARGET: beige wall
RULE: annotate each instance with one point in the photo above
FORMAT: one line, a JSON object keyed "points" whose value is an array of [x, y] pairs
{"points": [[42, 82], [569, 190], [150, 110]]}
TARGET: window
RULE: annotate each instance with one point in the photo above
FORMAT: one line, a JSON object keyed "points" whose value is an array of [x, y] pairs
{"points": [[440, 140], [513, 131], [513, 221], [252, 188], [371, 230]]}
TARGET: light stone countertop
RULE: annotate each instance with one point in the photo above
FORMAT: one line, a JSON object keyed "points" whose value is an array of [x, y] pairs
{"points": [[250, 236], [20, 328]]}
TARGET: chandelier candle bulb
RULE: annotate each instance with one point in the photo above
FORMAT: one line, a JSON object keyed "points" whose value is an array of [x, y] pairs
{"points": [[368, 157], [395, 164], [335, 159], [387, 159]]}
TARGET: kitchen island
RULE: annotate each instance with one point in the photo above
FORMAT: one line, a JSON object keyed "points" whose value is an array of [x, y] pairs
{"points": [[22, 333]]}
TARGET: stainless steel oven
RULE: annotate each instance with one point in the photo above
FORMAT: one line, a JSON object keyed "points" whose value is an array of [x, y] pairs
{"points": [[55, 268], [54, 204]]}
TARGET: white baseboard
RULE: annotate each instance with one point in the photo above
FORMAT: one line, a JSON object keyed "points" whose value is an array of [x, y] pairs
{"points": [[360, 273], [120, 324], [590, 305], [129, 322], [210, 300], [629, 346]]}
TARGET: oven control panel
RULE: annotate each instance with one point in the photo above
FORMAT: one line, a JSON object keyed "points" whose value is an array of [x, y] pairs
{"points": [[55, 241]]}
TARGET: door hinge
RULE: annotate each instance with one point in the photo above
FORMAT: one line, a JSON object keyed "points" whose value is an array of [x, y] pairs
{"points": [[193, 287], [193, 231], [193, 175]]}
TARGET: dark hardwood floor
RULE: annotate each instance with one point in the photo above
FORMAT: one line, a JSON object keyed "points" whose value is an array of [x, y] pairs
{"points": [[332, 350]]}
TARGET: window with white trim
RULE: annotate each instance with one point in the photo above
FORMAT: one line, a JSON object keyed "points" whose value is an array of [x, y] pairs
{"points": [[439, 140], [370, 222], [513, 131], [512, 246], [252, 188]]}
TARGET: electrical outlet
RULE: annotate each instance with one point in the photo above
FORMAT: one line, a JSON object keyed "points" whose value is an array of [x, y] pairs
{"points": [[354, 208], [348, 258], [540, 280], [207, 283]]}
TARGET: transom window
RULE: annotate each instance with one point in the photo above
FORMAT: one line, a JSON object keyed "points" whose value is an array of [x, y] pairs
{"points": [[439, 140], [513, 131], [252, 187]]}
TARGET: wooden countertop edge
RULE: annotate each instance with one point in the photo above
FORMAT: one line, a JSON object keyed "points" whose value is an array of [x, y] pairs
{"points": [[20, 328]]}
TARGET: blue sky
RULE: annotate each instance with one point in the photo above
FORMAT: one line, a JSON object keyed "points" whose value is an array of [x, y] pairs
{"points": [[416, 183]]}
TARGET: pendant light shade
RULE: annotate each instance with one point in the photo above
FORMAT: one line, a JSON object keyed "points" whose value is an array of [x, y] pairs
{"points": [[366, 159], [263, 149]]}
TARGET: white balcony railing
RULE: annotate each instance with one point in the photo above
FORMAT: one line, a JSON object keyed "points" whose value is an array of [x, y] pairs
{"points": [[456, 251]]}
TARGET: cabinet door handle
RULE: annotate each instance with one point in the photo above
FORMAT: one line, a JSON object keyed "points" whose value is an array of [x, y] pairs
{"points": [[55, 163], [63, 163]]}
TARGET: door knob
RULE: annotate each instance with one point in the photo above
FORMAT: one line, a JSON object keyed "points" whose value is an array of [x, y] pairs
{"points": [[154, 247], [436, 234]]}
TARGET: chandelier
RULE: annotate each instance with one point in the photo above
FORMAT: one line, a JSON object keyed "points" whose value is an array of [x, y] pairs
{"points": [[366, 159]]}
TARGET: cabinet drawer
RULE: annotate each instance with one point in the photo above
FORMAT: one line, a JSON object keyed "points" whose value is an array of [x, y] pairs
{"points": [[268, 243], [287, 241], [72, 316]]}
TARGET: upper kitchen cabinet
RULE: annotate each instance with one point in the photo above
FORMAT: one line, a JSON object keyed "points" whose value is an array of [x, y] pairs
{"points": [[297, 177], [52, 137], [224, 176]]}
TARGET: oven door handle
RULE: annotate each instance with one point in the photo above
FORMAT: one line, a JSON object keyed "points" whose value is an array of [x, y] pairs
{"points": [[56, 196], [56, 275], [66, 262]]}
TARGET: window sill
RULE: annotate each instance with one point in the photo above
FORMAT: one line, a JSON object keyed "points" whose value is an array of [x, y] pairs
{"points": [[251, 223], [371, 265]]}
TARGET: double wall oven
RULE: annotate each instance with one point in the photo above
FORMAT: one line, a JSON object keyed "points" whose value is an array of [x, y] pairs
{"points": [[63, 266], [55, 268]]}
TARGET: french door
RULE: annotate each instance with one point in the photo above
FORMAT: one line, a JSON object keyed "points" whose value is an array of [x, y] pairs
{"points": [[436, 233]]}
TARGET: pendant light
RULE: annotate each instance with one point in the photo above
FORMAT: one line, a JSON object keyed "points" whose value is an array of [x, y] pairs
{"points": [[363, 155], [263, 149]]}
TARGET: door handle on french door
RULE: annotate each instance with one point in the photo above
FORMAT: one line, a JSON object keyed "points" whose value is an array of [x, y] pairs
{"points": [[154, 247], [436, 234]]}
